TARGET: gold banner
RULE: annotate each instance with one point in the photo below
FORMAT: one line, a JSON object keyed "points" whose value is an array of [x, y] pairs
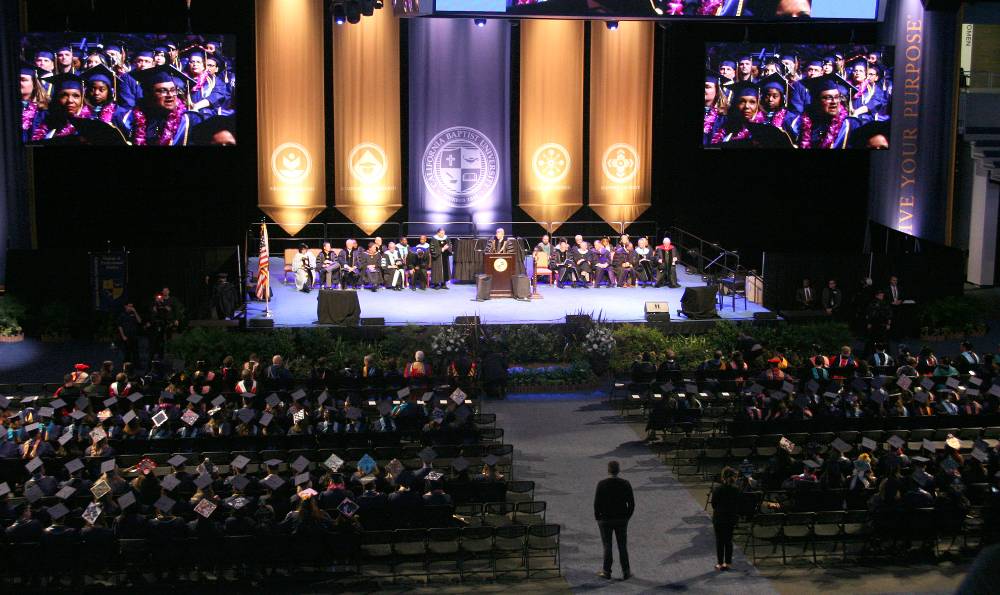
{"points": [[366, 142], [290, 107], [621, 126], [551, 170]]}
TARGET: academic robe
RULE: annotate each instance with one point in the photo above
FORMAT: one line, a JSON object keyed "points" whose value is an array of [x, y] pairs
{"points": [[212, 90], [328, 267], [440, 265], [303, 265], [562, 263], [392, 266], [642, 261], [666, 269], [871, 97], [498, 246], [623, 266], [155, 123], [789, 123], [581, 259], [350, 268], [843, 139], [418, 261], [371, 269], [601, 265]]}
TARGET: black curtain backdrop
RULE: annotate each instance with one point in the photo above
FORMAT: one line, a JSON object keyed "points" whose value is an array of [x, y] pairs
{"points": [[15, 233], [748, 201]]}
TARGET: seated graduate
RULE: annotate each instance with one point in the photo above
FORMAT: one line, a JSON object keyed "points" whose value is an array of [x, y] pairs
{"points": [[67, 102], [161, 118], [826, 123]]}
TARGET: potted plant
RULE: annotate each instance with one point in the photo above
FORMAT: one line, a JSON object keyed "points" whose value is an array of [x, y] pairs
{"points": [[11, 313], [598, 345]]}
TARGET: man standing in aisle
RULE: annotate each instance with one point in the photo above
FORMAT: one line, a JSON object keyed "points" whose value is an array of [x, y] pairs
{"points": [[613, 507]]}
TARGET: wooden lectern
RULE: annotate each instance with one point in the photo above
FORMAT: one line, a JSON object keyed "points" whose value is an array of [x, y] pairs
{"points": [[500, 266]]}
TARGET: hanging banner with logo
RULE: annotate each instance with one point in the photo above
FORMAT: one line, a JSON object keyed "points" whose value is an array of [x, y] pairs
{"points": [[366, 120], [911, 185], [551, 125], [290, 108], [108, 281], [459, 125], [621, 120]]}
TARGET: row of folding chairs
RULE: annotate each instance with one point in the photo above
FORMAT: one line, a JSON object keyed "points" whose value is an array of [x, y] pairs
{"points": [[514, 511], [470, 552], [855, 533]]}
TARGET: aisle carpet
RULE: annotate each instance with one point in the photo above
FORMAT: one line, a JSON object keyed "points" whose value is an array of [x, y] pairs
{"points": [[563, 443]]}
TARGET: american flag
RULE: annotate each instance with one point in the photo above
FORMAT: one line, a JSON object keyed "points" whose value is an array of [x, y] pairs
{"points": [[263, 265]]}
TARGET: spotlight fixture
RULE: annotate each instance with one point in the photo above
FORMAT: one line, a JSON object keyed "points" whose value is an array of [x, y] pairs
{"points": [[611, 25], [339, 16], [353, 8], [479, 22]]}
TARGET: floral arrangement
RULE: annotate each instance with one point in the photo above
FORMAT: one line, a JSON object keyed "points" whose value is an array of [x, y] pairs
{"points": [[10, 313], [599, 341], [449, 340]]}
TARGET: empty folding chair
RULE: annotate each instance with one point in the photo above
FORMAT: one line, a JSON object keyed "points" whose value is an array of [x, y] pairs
{"points": [[530, 513], [542, 546], [827, 530], [520, 491], [443, 556], [476, 551], [509, 550]]}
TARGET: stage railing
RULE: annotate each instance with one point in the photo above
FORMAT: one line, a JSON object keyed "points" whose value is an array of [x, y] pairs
{"points": [[705, 257]]}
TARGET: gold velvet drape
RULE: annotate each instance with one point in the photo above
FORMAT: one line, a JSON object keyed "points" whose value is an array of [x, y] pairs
{"points": [[290, 107], [366, 146], [621, 127], [551, 126]]}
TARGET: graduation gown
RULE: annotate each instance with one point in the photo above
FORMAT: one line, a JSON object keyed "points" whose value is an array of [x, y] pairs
{"points": [[666, 270], [440, 265], [303, 266], [371, 269], [212, 90], [350, 267], [418, 261], [392, 266], [581, 259], [642, 261], [600, 258], [155, 123], [623, 266], [562, 263]]}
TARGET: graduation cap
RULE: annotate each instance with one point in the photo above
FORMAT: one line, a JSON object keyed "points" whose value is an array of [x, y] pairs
{"points": [[811, 464], [189, 417], [4, 489], [265, 419], [205, 507], [125, 500], [177, 461], [333, 462], [394, 467], [949, 464], [868, 444], [774, 81], [32, 427], [91, 513], [862, 466], [33, 493], [170, 482], [458, 396], [896, 441], [240, 483], [102, 74], [45, 412], [995, 390], [4, 402], [491, 460], [195, 398], [828, 82], [166, 394], [160, 418], [240, 462], [165, 73], [58, 511], [134, 397], [865, 133], [927, 384], [348, 507], [904, 382], [367, 464], [165, 503], [841, 445], [951, 382], [427, 455], [129, 416], [353, 413], [953, 443], [973, 380], [108, 465], [745, 89], [65, 492], [460, 464], [980, 456], [272, 400], [273, 462], [74, 465], [403, 392], [203, 481], [104, 414], [434, 476], [77, 414], [928, 445], [218, 401], [300, 464], [100, 489], [272, 481], [298, 395], [33, 464], [302, 478], [110, 402], [63, 82], [427, 397]]}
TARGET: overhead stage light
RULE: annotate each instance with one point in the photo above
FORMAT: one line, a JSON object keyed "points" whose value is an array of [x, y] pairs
{"points": [[479, 22], [339, 17], [612, 25]]}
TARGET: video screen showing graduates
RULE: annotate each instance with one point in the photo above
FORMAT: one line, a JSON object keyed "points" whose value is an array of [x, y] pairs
{"points": [[122, 89], [785, 96], [739, 9]]}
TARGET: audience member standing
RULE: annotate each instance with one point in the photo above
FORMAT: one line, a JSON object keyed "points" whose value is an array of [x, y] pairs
{"points": [[613, 507], [725, 514]]}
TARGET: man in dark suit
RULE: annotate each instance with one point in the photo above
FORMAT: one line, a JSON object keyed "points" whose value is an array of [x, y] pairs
{"points": [[613, 507], [832, 298], [805, 296]]}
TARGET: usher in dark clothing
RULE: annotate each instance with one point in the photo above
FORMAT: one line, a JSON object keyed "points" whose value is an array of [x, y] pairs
{"points": [[725, 514], [613, 507]]}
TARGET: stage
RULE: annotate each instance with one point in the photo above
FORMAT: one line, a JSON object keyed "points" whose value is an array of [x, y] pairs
{"points": [[291, 308]]}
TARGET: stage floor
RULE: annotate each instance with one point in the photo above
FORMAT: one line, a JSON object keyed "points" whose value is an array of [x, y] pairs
{"points": [[291, 308]]}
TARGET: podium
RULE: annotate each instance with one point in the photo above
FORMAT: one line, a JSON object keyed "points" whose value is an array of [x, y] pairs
{"points": [[500, 266]]}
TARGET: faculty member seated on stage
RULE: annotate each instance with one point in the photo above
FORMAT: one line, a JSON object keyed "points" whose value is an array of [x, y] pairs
{"points": [[392, 265], [303, 266]]}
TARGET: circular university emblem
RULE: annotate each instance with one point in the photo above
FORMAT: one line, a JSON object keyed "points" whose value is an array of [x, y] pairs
{"points": [[499, 265], [460, 164], [367, 163], [621, 162], [551, 162], [291, 162]]}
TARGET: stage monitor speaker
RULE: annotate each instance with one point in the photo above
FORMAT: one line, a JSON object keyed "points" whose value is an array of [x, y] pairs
{"points": [[467, 320], [522, 289], [334, 306], [577, 319], [698, 303], [765, 315], [373, 322], [260, 323], [484, 285], [657, 312]]}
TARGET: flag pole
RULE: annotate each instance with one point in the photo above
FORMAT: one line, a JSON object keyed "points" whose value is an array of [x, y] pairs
{"points": [[267, 290]]}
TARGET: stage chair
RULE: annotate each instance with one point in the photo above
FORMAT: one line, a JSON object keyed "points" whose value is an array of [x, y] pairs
{"points": [[541, 268], [737, 288]]}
